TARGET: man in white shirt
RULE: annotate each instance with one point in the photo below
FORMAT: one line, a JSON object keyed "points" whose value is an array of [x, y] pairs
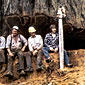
{"points": [[2, 56], [15, 48], [35, 44]]}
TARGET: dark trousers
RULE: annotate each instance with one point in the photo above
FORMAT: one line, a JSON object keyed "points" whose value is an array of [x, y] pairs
{"points": [[20, 56], [29, 58], [2, 56]]}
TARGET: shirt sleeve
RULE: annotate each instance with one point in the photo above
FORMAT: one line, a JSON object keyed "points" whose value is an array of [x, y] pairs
{"points": [[57, 46], [46, 41], [8, 41], [29, 45], [41, 42], [24, 40], [3, 43]]}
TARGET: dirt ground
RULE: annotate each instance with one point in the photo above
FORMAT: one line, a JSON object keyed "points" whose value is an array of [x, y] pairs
{"points": [[53, 75]]}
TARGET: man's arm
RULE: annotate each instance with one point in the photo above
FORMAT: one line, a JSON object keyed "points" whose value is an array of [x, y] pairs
{"points": [[3, 42], [29, 45], [57, 45], [10, 53], [8, 46], [31, 48], [41, 43], [46, 40], [24, 41]]}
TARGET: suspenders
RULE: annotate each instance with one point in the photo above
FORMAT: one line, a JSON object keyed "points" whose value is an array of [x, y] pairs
{"points": [[20, 40]]}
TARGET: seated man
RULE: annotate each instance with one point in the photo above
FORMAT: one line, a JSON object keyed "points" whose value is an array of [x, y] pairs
{"points": [[2, 56], [15, 48], [35, 44], [51, 42]]}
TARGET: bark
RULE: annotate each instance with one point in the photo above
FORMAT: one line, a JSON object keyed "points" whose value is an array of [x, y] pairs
{"points": [[75, 9], [41, 13]]}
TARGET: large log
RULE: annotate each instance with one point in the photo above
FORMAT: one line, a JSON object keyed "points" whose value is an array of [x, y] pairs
{"points": [[41, 13], [75, 9]]}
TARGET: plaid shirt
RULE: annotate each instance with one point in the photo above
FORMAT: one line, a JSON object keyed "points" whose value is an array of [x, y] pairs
{"points": [[51, 41]]}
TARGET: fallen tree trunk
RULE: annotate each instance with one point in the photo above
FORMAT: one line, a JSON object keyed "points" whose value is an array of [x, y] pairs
{"points": [[41, 13]]}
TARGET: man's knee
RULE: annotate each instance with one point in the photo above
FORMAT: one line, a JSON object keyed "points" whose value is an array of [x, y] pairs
{"points": [[40, 52], [28, 54], [44, 48], [21, 53], [10, 59]]}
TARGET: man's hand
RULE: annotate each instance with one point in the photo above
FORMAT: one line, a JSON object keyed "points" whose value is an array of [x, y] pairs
{"points": [[11, 54], [51, 49], [58, 15], [34, 52], [23, 49], [56, 50]]}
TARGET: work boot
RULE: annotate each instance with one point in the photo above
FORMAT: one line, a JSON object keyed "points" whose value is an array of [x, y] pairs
{"points": [[9, 74], [48, 60], [22, 73], [39, 68], [3, 68], [29, 69], [69, 65]]}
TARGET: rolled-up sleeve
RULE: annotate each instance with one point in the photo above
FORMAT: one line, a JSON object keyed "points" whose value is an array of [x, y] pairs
{"points": [[24, 40], [8, 41]]}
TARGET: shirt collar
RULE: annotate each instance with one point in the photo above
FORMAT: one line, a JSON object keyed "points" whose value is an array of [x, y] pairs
{"points": [[55, 33], [33, 37], [17, 35]]}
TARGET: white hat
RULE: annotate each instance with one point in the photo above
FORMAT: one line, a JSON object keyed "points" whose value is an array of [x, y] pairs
{"points": [[15, 27], [31, 29]]}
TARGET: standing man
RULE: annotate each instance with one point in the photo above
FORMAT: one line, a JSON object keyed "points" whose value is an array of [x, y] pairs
{"points": [[15, 48], [2, 56], [35, 44], [51, 42]]}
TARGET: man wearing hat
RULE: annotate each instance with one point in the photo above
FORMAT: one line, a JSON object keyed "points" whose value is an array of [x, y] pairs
{"points": [[2, 56], [35, 44], [15, 48], [51, 42]]}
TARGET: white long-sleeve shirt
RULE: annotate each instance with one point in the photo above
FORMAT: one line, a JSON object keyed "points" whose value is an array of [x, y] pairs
{"points": [[14, 44], [2, 42], [35, 43]]}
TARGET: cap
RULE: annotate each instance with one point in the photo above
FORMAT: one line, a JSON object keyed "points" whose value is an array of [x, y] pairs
{"points": [[15, 27]]}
